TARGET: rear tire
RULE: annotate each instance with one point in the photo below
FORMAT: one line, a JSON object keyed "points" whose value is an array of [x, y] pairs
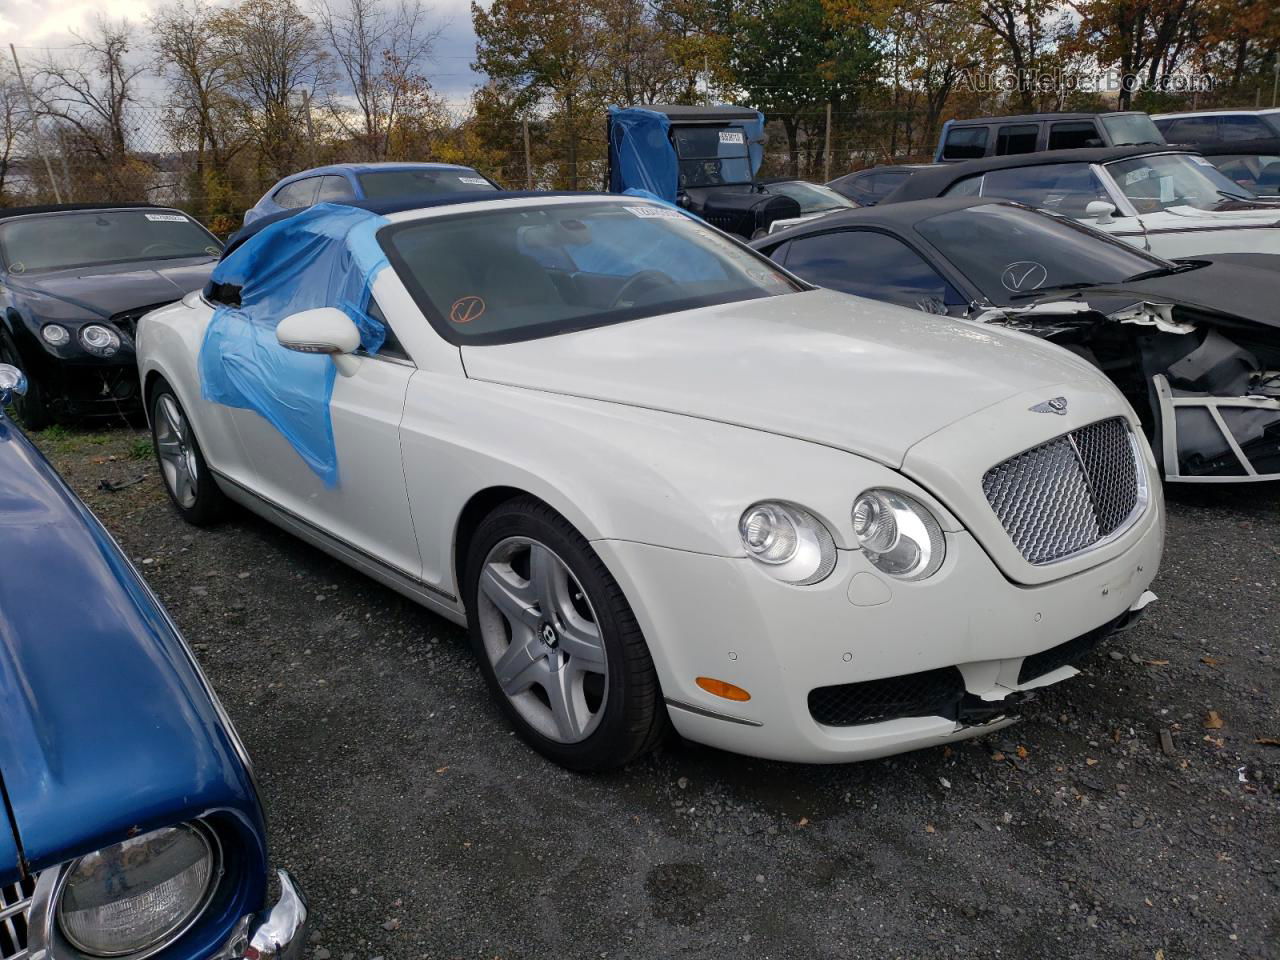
{"points": [[183, 471], [557, 641]]}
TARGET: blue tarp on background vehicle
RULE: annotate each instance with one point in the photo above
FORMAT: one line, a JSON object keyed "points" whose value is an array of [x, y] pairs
{"points": [[640, 153], [326, 256]]}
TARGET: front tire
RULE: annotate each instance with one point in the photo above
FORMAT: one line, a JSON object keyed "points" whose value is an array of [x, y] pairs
{"points": [[186, 477], [32, 408], [557, 641]]}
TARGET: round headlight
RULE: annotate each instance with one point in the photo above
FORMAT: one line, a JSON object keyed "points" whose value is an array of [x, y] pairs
{"points": [[137, 894], [54, 334], [99, 340], [899, 535], [790, 541]]}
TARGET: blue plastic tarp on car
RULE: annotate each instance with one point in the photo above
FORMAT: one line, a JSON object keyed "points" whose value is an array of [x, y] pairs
{"points": [[326, 256], [640, 152]]}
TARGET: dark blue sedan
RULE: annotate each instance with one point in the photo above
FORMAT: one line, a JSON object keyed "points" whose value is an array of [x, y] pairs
{"points": [[131, 825]]}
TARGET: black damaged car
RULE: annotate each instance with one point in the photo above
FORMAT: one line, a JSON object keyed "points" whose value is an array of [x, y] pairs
{"points": [[1194, 344], [74, 281]]}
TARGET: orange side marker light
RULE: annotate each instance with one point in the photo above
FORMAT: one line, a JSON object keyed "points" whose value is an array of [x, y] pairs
{"points": [[722, 688]]}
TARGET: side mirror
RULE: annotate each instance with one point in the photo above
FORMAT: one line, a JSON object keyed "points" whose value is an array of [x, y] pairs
{"points": [[13, 383], [1100, 210], [323, 330]]}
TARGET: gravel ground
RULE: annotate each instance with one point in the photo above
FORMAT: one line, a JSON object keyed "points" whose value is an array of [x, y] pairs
{"points": [[421, 828]]}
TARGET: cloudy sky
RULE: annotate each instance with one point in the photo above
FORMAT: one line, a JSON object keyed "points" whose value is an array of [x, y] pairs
{"points": [[36, 25]]}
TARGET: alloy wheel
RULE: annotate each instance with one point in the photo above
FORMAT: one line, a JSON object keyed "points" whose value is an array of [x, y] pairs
{"points": [[543, 639], [176, 452]]}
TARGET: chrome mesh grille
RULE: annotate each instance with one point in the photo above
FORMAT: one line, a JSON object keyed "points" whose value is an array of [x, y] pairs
{"points": [[1065, 495], [15, 900]]}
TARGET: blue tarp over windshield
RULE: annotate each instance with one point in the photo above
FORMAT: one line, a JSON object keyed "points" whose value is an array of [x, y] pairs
{"points": [[640, 153], [326, 256]]}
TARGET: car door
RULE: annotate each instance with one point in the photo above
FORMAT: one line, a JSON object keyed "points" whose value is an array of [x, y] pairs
{"points": [[368, 507]]}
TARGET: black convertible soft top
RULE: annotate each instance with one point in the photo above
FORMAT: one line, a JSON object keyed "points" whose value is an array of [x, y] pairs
{"points": [[941, 177], [1264, 146], [70, 207], [900, 217]]}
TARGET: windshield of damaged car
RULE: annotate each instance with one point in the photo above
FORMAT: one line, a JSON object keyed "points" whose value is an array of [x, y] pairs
{"points": [[712, 156], [425, 182], [1008, 252], [526, 272], [97, 237], [1157, 183]]}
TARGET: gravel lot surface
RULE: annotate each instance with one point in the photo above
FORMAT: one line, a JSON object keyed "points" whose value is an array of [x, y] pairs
{"points": [[421, 828]]}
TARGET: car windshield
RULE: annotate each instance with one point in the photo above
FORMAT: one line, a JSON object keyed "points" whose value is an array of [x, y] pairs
{"points": [[519, 273], [91, 238], [1131, 128], [1259, 172], [811, 197], [424, 182], [712, 156], [1169, 180], [1007, 251]]}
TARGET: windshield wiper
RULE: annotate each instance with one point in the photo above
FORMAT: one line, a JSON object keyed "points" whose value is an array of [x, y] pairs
{"points": [[1052, 289], [1236, 196], [1163, 272]]}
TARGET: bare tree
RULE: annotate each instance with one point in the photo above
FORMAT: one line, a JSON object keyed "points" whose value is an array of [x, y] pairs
{"points": [[381, 51], [278, 57], [15, 121], [93, 89], [191, 53]]}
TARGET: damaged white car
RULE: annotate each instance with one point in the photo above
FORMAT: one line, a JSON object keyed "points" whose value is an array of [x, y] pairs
{"points": [[660, 479], [1194, 343]]}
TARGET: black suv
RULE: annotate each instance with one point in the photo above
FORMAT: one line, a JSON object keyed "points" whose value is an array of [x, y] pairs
{"points": [[1032, 132]]}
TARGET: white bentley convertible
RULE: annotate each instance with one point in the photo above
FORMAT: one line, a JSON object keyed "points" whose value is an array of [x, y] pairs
{"points": [[658, 478]]}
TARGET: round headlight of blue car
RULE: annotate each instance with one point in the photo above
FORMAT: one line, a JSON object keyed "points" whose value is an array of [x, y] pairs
{"points": [[138, 894], [898, 535], [54, 334]]}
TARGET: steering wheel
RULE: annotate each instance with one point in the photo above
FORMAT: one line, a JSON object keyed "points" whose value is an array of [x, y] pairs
{"points": [[650, 278]]}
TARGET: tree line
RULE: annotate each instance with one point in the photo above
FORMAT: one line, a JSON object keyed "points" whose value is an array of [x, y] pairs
{"points": [[205, 105]]}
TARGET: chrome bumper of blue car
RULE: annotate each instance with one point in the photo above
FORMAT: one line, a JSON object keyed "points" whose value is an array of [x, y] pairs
{"points": [[276, 934]]}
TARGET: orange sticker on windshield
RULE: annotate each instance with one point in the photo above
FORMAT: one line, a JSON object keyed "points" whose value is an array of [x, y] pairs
{"points": [[466, 309]]}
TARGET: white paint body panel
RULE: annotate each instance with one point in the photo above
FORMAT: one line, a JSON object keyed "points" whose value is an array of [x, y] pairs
{"points": [[651, 437]]}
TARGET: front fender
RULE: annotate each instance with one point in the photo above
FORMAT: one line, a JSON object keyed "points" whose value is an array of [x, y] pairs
{"points": [[615, 472]]}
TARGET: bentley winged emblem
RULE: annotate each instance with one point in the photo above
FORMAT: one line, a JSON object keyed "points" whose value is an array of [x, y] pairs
{"points": [[1057, 405]]}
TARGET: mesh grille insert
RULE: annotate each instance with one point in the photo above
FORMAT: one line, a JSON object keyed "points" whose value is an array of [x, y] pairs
{"points": [[15, 900], [1063, 496], [927, 694]]}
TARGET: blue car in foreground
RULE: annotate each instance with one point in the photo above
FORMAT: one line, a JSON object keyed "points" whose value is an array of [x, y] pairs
{"points": [[367, 181], [130, 825]]}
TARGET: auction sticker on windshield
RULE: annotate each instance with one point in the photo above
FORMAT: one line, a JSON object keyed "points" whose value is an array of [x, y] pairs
{"points": [[657, 213], [167, 217], [731, 136], [479, 181]]}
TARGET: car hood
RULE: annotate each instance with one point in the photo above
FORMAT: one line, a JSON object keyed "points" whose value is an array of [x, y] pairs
{"points": [[1234, 286], [108, 726], [825, 367], [104, 291]]}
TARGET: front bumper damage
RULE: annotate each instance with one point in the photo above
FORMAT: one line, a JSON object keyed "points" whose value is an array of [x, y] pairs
{"points": [[276, 934]]}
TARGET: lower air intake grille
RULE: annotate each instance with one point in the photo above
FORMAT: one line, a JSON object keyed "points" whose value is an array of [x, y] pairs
{"points": [[15, 900], [931, 693], [1064, 496]]}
